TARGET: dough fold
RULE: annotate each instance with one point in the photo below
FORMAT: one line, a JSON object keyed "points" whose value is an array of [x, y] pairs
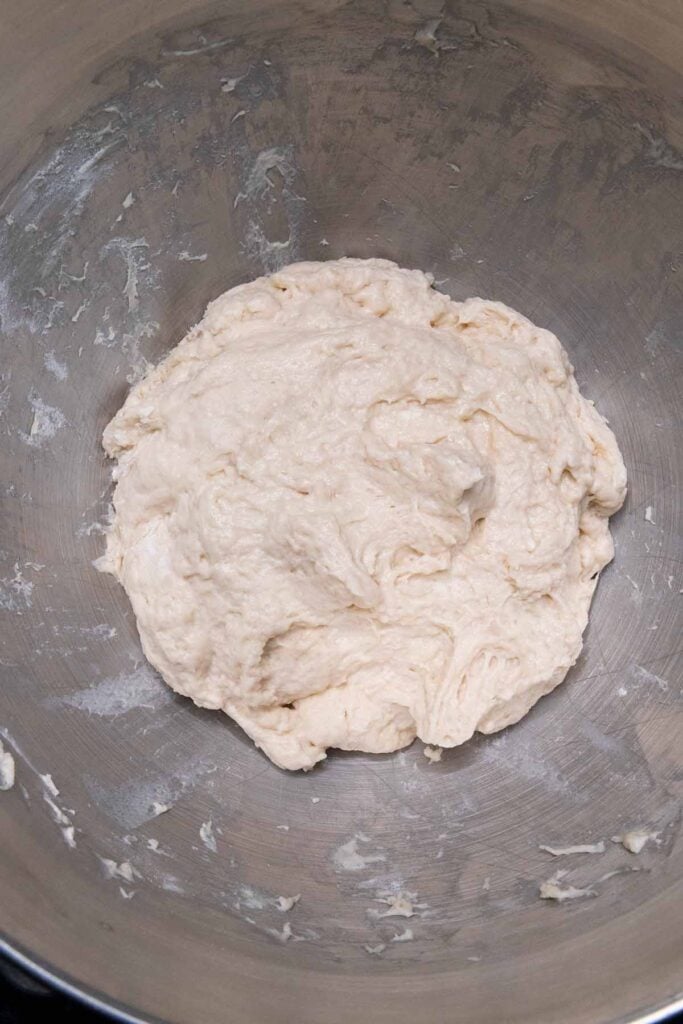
{"points": [[350, 511]]}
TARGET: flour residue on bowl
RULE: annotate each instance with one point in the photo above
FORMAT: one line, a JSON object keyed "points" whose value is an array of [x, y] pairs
{"points": [[7, 769], [114, 696], [46, 421], [348, 857]]}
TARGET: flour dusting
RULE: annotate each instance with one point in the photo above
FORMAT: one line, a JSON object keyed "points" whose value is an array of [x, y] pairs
{"points": [[7, 769], [47, 420], [206, 834], [348, 858], [15, 591], [54, 366], [117, 695]]}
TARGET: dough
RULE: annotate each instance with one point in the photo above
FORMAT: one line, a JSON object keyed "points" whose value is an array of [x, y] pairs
{"points": [[350, 511]]}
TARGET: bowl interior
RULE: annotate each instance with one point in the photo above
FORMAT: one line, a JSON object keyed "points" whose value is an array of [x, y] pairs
{"points": [[515, 151]]}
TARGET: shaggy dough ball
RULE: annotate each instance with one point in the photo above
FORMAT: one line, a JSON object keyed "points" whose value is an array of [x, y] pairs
{"points": [[350, 511]]}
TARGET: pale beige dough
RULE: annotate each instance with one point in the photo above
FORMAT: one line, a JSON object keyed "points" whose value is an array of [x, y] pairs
{"points": [[350, 511]]}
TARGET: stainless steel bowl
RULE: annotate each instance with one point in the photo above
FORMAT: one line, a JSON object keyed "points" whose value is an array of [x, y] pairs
{"points": [[153, 155]]}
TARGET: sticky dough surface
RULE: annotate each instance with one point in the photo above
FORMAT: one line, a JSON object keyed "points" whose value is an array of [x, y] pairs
{"points": [[350, 511]]}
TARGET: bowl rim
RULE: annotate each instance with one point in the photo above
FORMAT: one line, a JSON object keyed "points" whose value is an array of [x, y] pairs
{"points": [[115, 1010]]}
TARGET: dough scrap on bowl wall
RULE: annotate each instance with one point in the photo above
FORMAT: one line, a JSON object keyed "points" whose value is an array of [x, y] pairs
{"points": [[350, 511]]}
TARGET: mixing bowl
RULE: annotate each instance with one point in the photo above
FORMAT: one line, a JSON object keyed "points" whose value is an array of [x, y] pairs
{"points": [[154, 155]]}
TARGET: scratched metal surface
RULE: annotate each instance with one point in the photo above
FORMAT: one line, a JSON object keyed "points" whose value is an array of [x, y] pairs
{"points": [[150, 160]]}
